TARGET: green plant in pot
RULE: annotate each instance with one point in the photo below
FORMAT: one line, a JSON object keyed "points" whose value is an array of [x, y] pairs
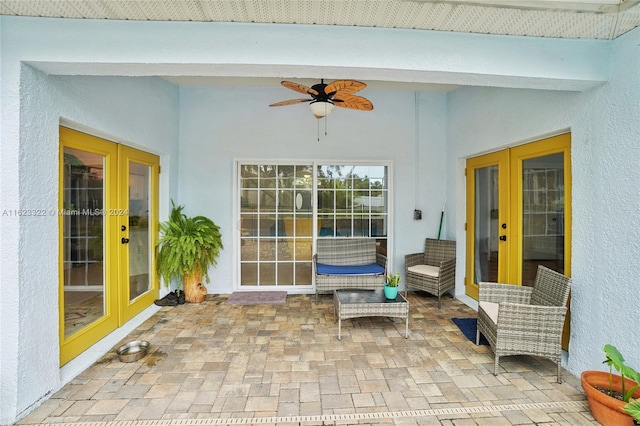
{"points": [[614, 359], [391, 285], [609, 393], [186, 248], [633, 408]]}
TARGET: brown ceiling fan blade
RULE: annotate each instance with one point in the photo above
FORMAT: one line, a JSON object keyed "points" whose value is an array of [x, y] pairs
{"points": [[353, 102], [301, 88], [291, 102], [346, 87]]}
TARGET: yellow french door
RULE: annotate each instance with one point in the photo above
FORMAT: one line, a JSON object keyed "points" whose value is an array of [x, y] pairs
{"points": [[138, 186], [487, 217], [107, 211], [519, 213]]}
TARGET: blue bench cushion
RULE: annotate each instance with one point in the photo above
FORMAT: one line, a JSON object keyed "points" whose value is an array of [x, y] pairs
{"points": [[370, 269]]}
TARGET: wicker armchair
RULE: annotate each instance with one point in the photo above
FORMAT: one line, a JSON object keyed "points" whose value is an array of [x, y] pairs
{"points": [[519, 320], [433, 271]]}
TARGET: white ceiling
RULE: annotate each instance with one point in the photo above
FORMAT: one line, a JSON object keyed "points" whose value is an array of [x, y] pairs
{"points": [[588, 19]]}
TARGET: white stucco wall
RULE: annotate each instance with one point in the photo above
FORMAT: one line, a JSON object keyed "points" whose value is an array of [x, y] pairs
{"points": [[606, 236], [221, 125], [149, 113], [606, 196], [140, 112]]}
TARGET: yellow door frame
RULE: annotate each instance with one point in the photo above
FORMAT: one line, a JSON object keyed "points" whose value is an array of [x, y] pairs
{"points": [[501, 160], [72, 346], [117, 309], [126, 155], [510, 210], [560, 144]]}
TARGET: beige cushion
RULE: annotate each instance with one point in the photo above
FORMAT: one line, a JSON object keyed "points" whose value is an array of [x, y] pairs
{"points": [[491, 309], [432, 271]]}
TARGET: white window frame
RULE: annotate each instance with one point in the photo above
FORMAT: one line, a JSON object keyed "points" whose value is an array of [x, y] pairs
{"points": [[306, 289]]}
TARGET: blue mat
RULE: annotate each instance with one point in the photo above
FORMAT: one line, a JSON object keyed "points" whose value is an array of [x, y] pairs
{"points": [[469, 326]]}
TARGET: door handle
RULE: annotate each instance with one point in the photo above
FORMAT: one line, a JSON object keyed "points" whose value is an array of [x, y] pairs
{"points": [[502, 238], [125, 240]]}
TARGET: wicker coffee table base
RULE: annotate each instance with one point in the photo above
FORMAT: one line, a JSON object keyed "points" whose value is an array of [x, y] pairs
{"points": [[349, 304]]}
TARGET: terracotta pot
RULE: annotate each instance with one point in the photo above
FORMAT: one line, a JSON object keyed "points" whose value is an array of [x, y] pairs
{"points": [[194, 290], [604, 408]]}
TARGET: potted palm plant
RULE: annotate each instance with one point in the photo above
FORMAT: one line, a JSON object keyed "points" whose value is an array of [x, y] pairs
{"points": [[186, 248], [608, 393]]}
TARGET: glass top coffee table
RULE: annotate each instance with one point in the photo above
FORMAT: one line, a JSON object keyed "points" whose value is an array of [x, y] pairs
{"points": [[368, 303]]}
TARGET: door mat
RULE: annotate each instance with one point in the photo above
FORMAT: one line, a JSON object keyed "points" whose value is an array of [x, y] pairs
{"points": [[469, 326], [257, 298]]}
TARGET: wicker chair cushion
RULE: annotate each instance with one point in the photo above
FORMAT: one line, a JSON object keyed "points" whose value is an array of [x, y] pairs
{"points": [[371, 269], [491, 309], [432, 271]]}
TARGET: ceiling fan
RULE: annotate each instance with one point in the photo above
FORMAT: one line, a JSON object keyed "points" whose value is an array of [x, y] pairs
{"points": [[324, 97]]}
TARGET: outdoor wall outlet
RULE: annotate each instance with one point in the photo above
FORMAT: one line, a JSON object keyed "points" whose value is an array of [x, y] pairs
{"points": [[417, 214]]}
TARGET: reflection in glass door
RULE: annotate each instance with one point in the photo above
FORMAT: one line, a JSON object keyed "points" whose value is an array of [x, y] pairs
{"points": [[84, 227], [543, 221], [486, 241], [139, 235], [138, 173]]}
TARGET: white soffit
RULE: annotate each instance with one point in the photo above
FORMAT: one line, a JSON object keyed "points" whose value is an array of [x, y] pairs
{"points": [[581, 19]]}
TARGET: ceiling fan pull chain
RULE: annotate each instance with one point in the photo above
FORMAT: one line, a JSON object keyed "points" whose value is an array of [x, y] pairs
{"points": [[318, 130], [325, 125]]}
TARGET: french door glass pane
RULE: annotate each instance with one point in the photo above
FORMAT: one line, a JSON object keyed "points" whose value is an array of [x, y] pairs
{"points": [[486, 224], [543, 215], [83, 236], [139, 229]]}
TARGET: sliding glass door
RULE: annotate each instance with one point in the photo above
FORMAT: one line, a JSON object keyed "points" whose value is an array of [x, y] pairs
{"points": [[283, 208]]}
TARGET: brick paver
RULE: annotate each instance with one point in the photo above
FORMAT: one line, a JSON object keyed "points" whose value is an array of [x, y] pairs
{"points": [[283, 364]]}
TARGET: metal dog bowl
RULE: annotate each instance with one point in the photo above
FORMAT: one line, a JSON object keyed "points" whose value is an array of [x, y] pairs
{"points": [[133, 351]]}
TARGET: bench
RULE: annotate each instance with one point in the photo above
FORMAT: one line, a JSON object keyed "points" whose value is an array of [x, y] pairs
{"points": [[348, 263]]}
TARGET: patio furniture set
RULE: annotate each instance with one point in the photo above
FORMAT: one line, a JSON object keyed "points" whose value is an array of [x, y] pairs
{"points": [[516, 320], [355, 272]]}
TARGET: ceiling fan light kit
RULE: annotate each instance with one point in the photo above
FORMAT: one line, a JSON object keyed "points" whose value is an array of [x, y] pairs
{"points": [[321, 108]]}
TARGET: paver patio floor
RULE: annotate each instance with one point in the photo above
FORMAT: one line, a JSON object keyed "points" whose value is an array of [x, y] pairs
{"points": [[214, 363]]}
